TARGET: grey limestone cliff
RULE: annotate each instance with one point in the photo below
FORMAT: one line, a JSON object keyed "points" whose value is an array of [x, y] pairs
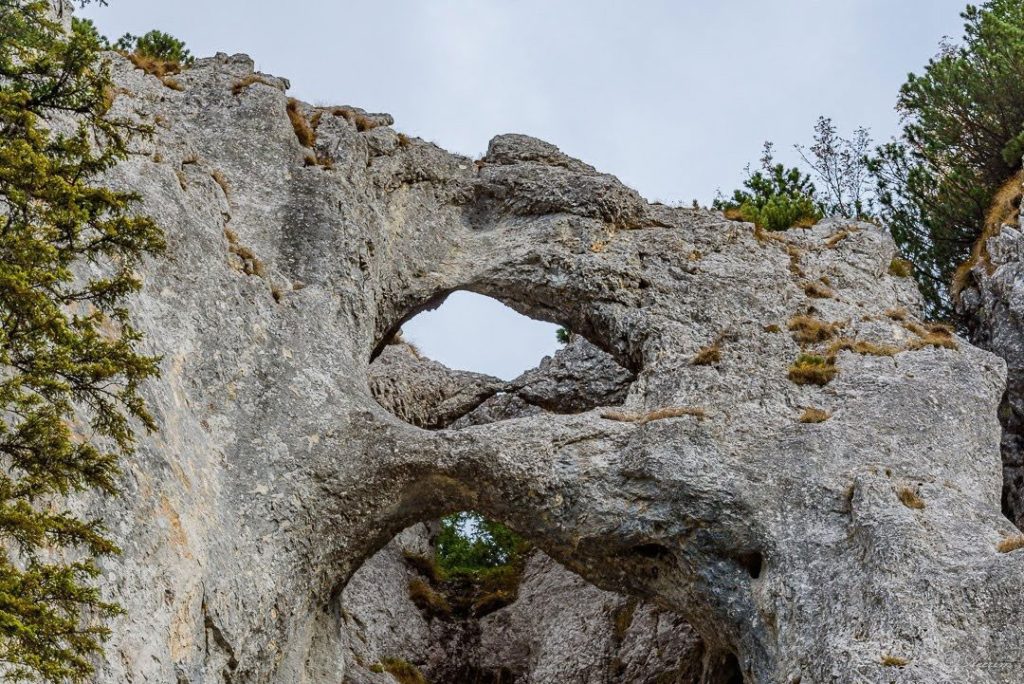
{"points": [[794, 549]]}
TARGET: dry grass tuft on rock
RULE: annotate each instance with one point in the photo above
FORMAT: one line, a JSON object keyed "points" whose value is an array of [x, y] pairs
{"points": [[709, 355], [897, 314], [894, 661], [931, 335], [1004, 210], [172, 83], [251, 264], [810, 330], [818, 291], [862, 347], [910, 498], [809, 369], [659, 414], [364, 123], [431, 602], [839, 237], [403, 671], [153, 66], [221, 180], [813, 415], [303, 131], [1009, 544], [242, 85]]}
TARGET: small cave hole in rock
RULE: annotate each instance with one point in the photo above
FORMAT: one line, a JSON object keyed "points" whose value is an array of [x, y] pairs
{"points": [[752, 562], [466, 599], [474, 360]]}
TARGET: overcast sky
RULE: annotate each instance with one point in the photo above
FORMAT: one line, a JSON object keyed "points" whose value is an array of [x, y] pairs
{"points": [[672, 96]]}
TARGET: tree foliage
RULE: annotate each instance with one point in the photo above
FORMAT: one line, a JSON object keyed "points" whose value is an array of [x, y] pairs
{"points": [[841, 167], [70, 369], [468, 544], [774, 197], [156, 45], [963, 137]]}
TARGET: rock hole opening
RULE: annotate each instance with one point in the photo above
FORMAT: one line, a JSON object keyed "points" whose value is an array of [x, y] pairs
{"points": [[474, 360], [752, 562], [471, 332], [651, 551], [732, 672], [466, 599]]}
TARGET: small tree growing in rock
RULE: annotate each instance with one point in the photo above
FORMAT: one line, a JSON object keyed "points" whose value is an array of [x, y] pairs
{"points": [[842, 170], [773, 198], [156, 45]]}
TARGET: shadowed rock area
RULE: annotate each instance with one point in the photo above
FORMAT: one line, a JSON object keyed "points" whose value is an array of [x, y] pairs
{"points": [[993, 304], [861, 548]]}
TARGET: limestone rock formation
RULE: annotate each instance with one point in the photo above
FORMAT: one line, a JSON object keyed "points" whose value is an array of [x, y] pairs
{"points": [[559, 628], [861, 548], [993, 307]]}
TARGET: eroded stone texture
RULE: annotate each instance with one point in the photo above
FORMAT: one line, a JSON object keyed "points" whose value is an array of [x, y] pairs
{"points": [[559, 628], [425, 393], [993, 305], [276, 474]]}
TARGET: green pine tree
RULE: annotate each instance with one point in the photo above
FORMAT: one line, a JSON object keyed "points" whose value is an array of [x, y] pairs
{"points": [[70, 368], [963, 139], [773, 198]]}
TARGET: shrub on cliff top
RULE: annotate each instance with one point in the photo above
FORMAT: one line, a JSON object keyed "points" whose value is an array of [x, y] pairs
{"points": [[773, 198], [156, 45]]}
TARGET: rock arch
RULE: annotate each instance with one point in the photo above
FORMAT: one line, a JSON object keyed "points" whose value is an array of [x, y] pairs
{"points": [[276, 474]]}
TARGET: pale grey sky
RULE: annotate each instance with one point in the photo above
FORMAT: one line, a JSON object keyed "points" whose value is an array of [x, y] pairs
{"points": [[672, 96]]}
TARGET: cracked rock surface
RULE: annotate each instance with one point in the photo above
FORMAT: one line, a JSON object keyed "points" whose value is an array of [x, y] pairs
{"points": [[993, 305], [275, 474]]}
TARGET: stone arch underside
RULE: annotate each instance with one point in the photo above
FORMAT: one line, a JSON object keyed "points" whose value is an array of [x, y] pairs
{"points": [[276, 473]]}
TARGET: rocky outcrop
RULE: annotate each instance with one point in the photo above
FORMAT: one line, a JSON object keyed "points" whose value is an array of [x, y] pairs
{"points": [[993, 308], [861, 548], [429, 395], [559, 627]]}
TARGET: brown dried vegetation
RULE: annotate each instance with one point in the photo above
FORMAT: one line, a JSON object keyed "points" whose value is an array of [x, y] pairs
{"points": [[659, 414], [1005, 209], [252, 79], [1012, 543], [303, 131], [813, 415], [910, 498], [818, 291], [809, 369], [810, 330]]}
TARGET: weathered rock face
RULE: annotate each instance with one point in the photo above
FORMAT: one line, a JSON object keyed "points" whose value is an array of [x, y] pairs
{"points": [[560, 628], [276, 473], [429, 395], [993, 305]]}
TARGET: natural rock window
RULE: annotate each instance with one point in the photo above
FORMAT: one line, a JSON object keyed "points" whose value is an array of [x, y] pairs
{"points": [[576, 377], [465, 599], [471, 332]]}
